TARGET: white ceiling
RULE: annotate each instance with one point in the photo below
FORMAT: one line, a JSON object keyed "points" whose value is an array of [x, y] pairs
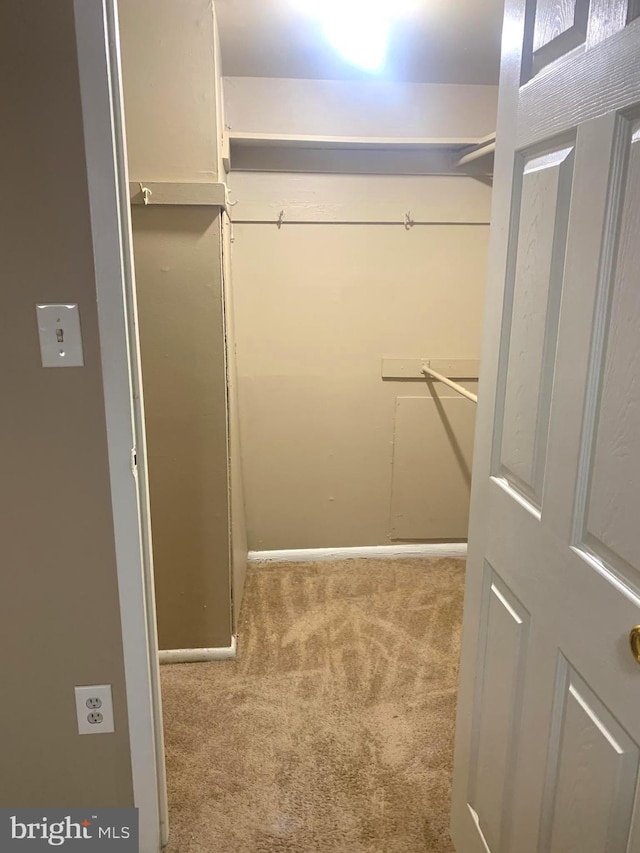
{"points": [[442, 41]]}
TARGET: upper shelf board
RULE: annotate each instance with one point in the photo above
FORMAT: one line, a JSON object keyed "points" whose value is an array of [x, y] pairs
{"points": [[394, 143]]}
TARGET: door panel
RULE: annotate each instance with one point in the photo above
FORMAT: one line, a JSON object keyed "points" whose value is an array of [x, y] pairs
{"points": [[555, 18], [544, 198], [592, 773], [598, 185], [560, 26], [502, 645], [547, 754], [611, 522]]}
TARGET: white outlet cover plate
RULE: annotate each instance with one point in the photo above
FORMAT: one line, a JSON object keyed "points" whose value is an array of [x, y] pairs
{"points": [[60, 336], [83, 695]]}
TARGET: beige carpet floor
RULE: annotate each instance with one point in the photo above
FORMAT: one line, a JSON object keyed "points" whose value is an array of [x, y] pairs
{"points": [[333, 729]]}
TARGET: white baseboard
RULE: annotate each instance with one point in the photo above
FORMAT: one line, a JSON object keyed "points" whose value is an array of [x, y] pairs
{"points": [[381, 552], [198, 655]]}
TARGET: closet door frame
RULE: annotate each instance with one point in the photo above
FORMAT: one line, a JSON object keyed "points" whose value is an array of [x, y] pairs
{"points": [[105, 150]]}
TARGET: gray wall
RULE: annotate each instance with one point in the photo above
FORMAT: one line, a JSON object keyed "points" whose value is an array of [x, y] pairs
{"points": [[169, 77], [59, 616]]}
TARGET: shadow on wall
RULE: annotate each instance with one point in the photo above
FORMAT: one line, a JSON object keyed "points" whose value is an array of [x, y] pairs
{"points": [[460, 455], [182, 348]]}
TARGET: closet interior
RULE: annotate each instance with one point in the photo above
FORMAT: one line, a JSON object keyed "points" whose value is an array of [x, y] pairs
{"points": [[310, 258]]}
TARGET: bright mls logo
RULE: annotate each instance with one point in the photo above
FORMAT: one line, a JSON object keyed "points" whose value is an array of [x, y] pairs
{"points": [[70, 829]]}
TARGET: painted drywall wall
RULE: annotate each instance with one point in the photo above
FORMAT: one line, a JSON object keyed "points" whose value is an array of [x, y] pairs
{"points": [[168, 55], [171, 105], [358, 108], [317, 308], [59, 615], [333, 455], [181, 344]]}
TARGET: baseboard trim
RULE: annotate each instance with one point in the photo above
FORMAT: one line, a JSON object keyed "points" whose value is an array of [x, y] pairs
{"points": [[198, 655], [386, 552]]}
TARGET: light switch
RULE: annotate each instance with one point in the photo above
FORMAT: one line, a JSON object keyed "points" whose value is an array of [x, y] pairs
{"points": [[60, 336]]}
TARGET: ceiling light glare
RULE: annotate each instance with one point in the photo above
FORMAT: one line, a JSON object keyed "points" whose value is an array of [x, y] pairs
{"points": [[357, 29], [359, 34], [362, 41]]}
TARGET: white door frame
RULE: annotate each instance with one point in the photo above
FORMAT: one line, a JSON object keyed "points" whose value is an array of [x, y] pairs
{"points": [[104, 137]]}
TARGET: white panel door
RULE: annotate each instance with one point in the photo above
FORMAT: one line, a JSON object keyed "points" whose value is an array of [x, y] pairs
{"points": [[548, 731]]}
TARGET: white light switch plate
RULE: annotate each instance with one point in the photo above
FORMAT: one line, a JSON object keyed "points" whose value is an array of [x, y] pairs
{"points": [[60, 336]]}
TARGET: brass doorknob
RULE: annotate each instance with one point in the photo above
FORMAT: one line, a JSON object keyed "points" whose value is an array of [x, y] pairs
{"points": [[634, 642]]}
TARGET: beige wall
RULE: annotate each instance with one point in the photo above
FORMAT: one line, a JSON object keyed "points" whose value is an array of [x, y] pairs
{"points": [[333, 455], [318, 307], [59, 614], [168, 53], [358, 108]]}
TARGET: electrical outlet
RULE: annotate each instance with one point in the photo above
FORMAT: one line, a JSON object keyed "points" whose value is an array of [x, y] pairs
{"points": [[92, 721]]}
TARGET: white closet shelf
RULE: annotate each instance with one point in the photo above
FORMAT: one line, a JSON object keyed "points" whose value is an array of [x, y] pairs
{"points": [[370, 143], [178, 193], [402, 155]]}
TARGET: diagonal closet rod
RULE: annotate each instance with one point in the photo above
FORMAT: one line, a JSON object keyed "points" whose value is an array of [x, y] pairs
{"points": [[433, 374]]}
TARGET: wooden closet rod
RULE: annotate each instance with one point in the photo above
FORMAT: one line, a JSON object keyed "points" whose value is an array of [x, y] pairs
{"points": [[433, 374]]}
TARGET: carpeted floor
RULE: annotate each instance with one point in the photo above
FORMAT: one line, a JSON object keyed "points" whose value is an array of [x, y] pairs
{"points": [[333, 729]]}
